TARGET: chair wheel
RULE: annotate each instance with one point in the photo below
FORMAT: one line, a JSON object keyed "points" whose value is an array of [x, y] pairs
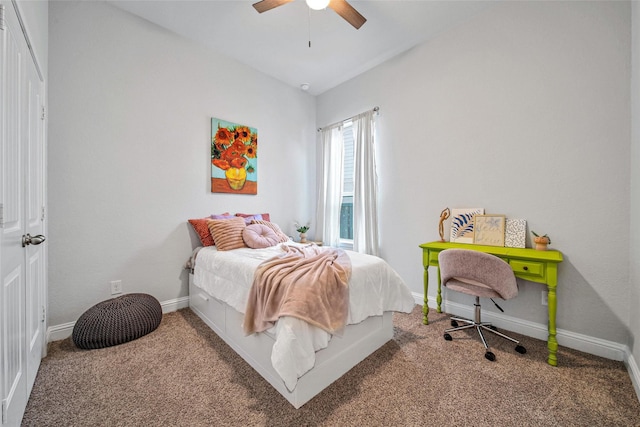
{"points": [[490, 356], [448, 337], [520, 349], [454, 324], [493, 327]]}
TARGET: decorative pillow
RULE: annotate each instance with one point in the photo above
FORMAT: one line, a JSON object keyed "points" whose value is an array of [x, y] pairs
{"points": [[248, 219], [202, 229], [258, 236], [272, 225], [225, 215], [265, 216], [227, 233]]}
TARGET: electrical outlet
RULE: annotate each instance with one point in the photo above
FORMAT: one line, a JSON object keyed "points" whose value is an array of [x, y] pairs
{"points": [[545, 298], [116, 287]]}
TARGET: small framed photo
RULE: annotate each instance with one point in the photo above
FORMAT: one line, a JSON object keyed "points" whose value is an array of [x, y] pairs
{"points": [[488, 230], [462, 224], [515, 233]]}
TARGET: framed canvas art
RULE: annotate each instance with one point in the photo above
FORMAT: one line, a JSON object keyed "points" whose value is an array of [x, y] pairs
{"points": [[488, 230], [234, 158], [515, 233], [462, 224]]}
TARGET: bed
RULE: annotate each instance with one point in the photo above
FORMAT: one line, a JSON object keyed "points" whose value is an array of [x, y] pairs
{"points": [[298, 359]]}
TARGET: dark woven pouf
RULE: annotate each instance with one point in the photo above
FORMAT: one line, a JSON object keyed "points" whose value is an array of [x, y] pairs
{"points": [[117, 320]]}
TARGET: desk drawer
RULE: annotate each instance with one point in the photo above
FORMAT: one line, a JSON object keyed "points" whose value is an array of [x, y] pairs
{"points": [[527, 268]]}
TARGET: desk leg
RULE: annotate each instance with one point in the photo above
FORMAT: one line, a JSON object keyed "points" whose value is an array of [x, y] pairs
{"points": [[439, 297], [552, 342], [425, 305]]}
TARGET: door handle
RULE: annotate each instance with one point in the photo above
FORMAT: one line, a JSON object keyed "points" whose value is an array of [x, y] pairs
{"points": [[28, 239]]}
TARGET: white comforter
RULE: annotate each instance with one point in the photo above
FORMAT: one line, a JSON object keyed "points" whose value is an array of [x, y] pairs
{"points": [[374, 288]]}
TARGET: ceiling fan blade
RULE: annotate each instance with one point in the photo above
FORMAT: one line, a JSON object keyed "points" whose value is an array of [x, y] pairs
{"points": [[344, 9], [264, 5]]}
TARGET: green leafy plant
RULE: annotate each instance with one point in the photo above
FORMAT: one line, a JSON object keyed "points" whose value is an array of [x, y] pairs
{"points": [[302, 228], [541, 238]]}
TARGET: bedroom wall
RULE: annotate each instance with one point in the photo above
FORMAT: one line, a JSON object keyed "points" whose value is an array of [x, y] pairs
{"points": [[129, 152], [634, 299], [523, 110]]}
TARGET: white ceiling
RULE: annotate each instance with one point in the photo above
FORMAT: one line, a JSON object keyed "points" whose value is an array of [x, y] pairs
{"points": [[276, 42]]}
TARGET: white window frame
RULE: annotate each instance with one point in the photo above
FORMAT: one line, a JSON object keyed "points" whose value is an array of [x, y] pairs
{"points": [[347, 127]]}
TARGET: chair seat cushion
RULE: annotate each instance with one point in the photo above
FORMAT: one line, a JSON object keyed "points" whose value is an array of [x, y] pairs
{"points": [[478, 289], [117, 320]]}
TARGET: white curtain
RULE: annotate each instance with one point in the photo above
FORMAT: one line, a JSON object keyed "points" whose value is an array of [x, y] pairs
{"points": [[365, 192], [330, 185]]}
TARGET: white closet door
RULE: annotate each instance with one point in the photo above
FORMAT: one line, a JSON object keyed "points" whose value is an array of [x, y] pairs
{"points": [[14, 383], [22, 185], [34, 222]]}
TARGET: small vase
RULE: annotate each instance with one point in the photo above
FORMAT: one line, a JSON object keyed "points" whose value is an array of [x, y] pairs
{"points": [[303, 237], [236, 177], [541, 243]]}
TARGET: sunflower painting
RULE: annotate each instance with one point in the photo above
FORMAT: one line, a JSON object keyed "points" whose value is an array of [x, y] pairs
{"points": [[234, 158]]}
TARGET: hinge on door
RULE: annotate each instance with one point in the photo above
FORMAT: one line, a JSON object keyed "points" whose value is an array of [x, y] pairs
{"points": [[44, 314], [2, 17], [4, 411], [1, 215], [42, 216], [43, 113]]}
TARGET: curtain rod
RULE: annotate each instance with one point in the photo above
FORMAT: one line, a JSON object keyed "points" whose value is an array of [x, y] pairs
{"points": [[375, 110]]}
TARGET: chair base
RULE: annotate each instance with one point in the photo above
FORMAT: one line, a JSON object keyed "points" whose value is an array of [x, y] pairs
{"points": [[480, 326]]}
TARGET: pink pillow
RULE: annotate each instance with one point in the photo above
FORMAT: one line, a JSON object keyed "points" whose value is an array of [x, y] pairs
{"points": [[265, 216], [258, 236], [273, 226], [227, 233]]}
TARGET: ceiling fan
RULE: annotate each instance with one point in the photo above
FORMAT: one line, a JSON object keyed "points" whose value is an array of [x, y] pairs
{"points": [[341, 7]]}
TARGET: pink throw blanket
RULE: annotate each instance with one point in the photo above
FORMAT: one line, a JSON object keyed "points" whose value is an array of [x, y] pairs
{"points": [[309, 283]]}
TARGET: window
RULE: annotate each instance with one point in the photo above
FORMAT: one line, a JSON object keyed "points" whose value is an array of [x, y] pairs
{"points": [[346, 208], [347, 197]]}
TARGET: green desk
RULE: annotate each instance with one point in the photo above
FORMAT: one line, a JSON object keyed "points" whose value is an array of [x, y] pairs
{"points": [[527, 264]]}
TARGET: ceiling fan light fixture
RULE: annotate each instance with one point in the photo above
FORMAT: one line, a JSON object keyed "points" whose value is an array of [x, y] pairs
{"points": [[317, 4]]}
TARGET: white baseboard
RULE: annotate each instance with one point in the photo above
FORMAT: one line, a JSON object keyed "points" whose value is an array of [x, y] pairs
{"points": [[596, 346], [634, 373], [580, 342], [60, 332], [175, 304], [65, 330]]}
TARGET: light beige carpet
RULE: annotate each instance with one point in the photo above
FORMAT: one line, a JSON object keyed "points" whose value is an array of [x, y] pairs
{"points": [[182, 374]]}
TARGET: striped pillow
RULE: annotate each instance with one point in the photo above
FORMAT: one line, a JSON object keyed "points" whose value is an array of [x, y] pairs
{"points": [[227, 233], [202, 228], [272, 225]]}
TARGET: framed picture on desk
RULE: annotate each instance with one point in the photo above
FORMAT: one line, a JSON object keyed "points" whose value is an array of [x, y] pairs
{"points": [[462, 224], [515, 233], [488, 230]]}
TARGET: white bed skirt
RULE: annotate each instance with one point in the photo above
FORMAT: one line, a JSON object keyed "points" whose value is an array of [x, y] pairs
{"points": [[342, 354]]}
